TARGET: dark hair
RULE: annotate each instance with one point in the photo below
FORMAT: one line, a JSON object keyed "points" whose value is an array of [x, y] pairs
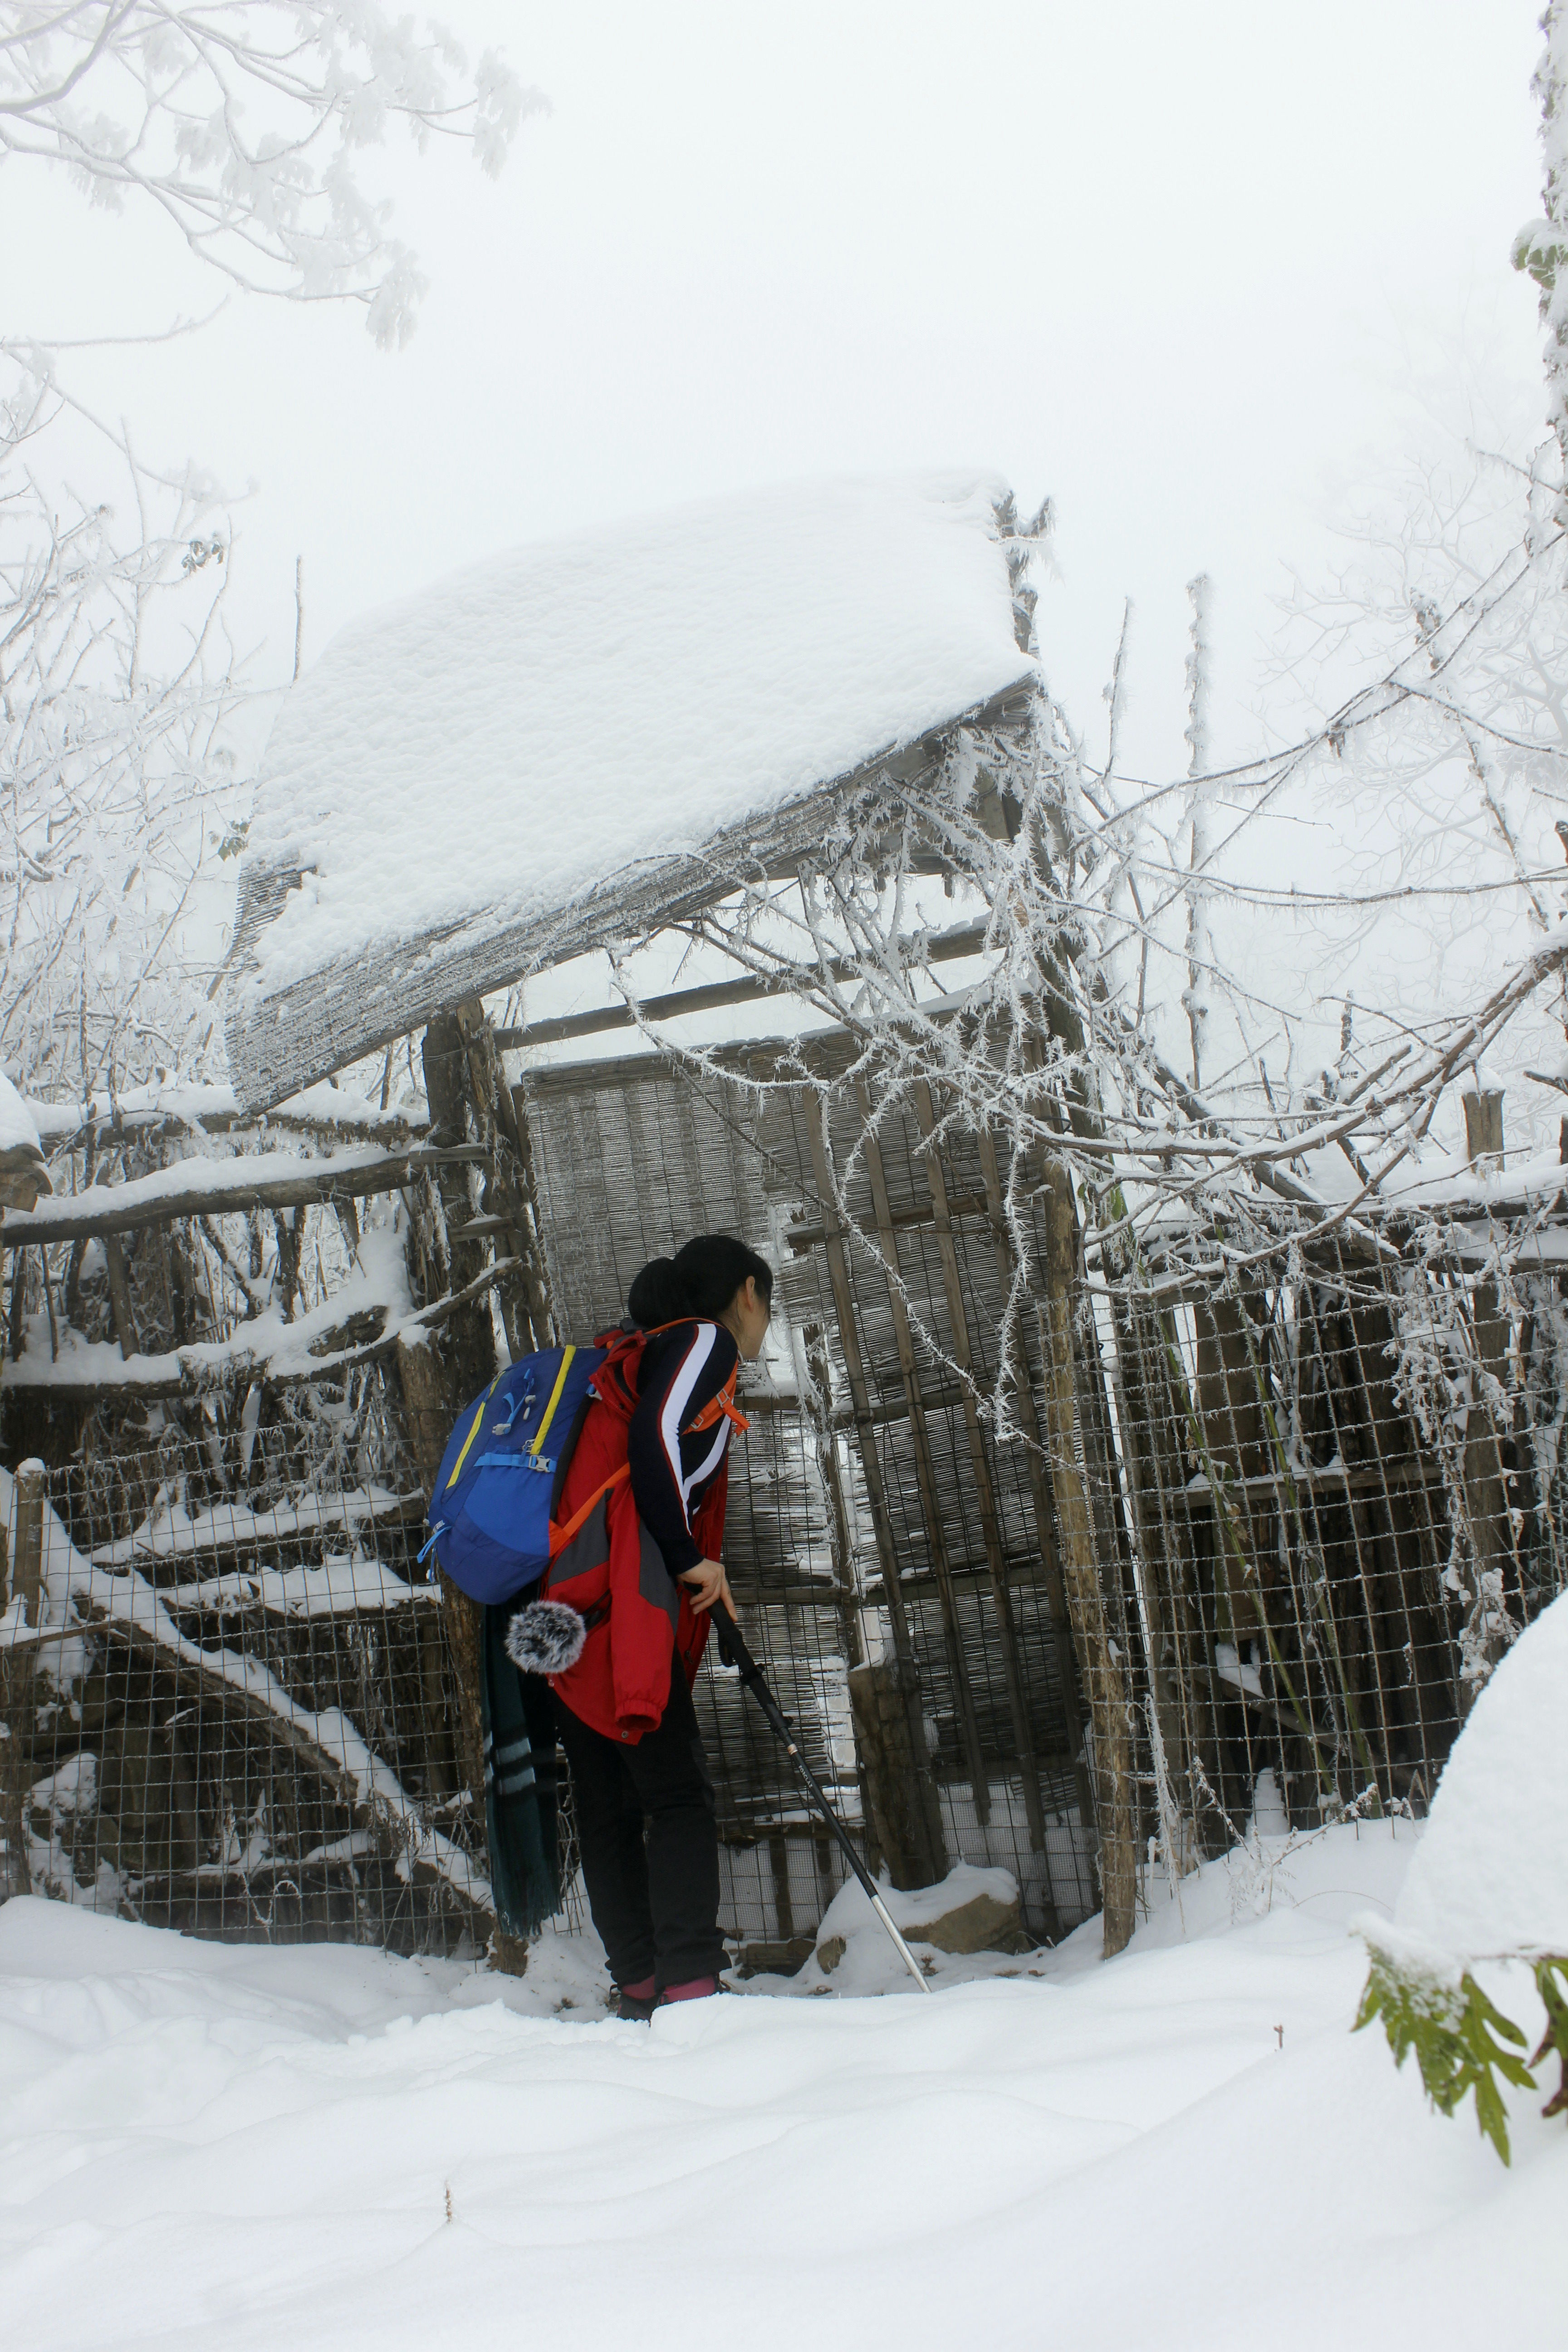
{"points": [[700, 1279]]}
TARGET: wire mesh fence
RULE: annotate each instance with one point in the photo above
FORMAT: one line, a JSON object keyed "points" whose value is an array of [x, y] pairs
{"points": [[1317, 1501], [1298, 1514], [233, 1712], [1338, 1495]]}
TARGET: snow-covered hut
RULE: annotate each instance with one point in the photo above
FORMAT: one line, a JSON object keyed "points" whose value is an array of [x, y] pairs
{"points": [[1039, 1584], [590, 740], [597, 733]]}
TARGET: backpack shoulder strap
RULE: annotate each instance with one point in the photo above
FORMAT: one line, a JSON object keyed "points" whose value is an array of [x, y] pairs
{"points": [[616, 1382]]}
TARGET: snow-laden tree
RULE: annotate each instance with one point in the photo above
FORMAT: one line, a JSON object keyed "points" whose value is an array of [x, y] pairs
{"points": [[240, 127]]}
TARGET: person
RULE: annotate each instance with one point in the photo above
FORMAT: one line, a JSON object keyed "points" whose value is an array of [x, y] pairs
{"points": [[644, 1571]]}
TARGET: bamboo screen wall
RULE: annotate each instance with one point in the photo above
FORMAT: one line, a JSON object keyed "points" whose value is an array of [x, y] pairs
{"points": [[869, 1511]]}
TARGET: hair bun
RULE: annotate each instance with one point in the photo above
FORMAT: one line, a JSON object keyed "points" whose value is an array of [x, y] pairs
{"points": [[658, 1294]]}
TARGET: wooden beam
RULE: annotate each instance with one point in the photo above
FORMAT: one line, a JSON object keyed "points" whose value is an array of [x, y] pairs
{"points": [[191, 1371], [100, 1210], [943, 947], [105, 1129], [802, 1238]]}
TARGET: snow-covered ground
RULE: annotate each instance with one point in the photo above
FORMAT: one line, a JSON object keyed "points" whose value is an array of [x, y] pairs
{"points": [[202, 2145]]}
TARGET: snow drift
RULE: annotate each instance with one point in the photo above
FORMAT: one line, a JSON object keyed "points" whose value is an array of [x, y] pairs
{"points": [[1184, 2149]]}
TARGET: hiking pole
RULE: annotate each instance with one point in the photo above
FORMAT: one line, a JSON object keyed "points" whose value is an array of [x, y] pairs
{"points": [[733, 1650]]}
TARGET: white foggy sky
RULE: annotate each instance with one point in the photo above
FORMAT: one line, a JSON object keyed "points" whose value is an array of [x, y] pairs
{"points": [[1161, 261]]}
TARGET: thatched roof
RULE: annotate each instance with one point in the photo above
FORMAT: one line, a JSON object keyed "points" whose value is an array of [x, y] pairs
{"points": [[540, 752]]}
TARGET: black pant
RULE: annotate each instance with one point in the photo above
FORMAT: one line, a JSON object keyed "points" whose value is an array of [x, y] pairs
{"points": [[654, 1902]]}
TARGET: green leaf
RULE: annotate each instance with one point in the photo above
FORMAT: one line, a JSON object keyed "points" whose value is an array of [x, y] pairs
{"points": [[1461, 2040]]}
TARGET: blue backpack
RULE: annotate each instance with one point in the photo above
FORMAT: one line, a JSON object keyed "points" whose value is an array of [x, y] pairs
{"points": [[492, 1514]]}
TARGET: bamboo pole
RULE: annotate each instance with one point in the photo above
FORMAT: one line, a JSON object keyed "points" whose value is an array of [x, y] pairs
{"points": [[984, 1492], [1039, 1482], [928, 1811], [1104, 1680], [925, 1471]]}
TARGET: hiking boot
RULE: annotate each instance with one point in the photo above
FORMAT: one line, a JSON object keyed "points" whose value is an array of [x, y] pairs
{"points": [[635, 2003]]}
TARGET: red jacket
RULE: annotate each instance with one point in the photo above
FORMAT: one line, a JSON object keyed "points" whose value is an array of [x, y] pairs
{"points": [[612, 1570]]}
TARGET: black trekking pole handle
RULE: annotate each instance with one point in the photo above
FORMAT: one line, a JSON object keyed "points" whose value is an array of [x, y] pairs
{"points": [[733, 1650]]}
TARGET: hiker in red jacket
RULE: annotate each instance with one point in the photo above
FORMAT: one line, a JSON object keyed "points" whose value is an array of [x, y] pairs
{"points": [[643, 1572]]}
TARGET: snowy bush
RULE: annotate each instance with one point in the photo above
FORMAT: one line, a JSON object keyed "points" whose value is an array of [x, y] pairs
{"points": [[1488, 1887]]}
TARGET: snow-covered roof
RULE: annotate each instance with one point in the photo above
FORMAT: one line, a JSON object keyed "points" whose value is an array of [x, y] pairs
{"points": [[471, 783]]}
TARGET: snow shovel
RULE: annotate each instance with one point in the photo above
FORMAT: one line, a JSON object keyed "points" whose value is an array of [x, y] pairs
{"points": [[733, 1650]]}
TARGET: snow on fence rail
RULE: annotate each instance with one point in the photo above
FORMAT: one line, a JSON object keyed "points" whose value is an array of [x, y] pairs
{"points": [[262, 1749]]}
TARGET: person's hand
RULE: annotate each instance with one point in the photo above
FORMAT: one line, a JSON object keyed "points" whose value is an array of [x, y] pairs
{"points": [[706, 1583]]}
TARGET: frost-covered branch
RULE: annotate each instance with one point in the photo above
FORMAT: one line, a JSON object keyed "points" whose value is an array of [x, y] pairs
{"points": [[243, 123]]}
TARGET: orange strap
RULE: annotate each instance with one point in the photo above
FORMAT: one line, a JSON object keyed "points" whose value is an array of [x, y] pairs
{"points": [[711, 1413], [717, 1407], [561, 1536]]}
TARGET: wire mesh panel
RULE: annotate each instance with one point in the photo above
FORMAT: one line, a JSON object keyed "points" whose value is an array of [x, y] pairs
{"points": [[233, 1711], [871, 1493], [1344, 1512]]}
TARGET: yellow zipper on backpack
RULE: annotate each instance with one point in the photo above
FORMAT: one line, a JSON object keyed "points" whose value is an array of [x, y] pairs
{"points": [[566, 1356], [473, 1432]]}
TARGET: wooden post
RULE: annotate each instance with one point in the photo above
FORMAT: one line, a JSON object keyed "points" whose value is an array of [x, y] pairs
{"points": [[1483, 1127], [925, 1472], [816, 1412], [438, 1386], [932, 1865], [1102, 1672], [1158, 1435], [884, 1700], [819, 1434], [1230, 1407], [25, 1584], [985, 1493], [428, 1411], [120, 1293], [1152, 1580], [508, 1193], [467, 1345], [14, 1765], [28, 1552]]}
